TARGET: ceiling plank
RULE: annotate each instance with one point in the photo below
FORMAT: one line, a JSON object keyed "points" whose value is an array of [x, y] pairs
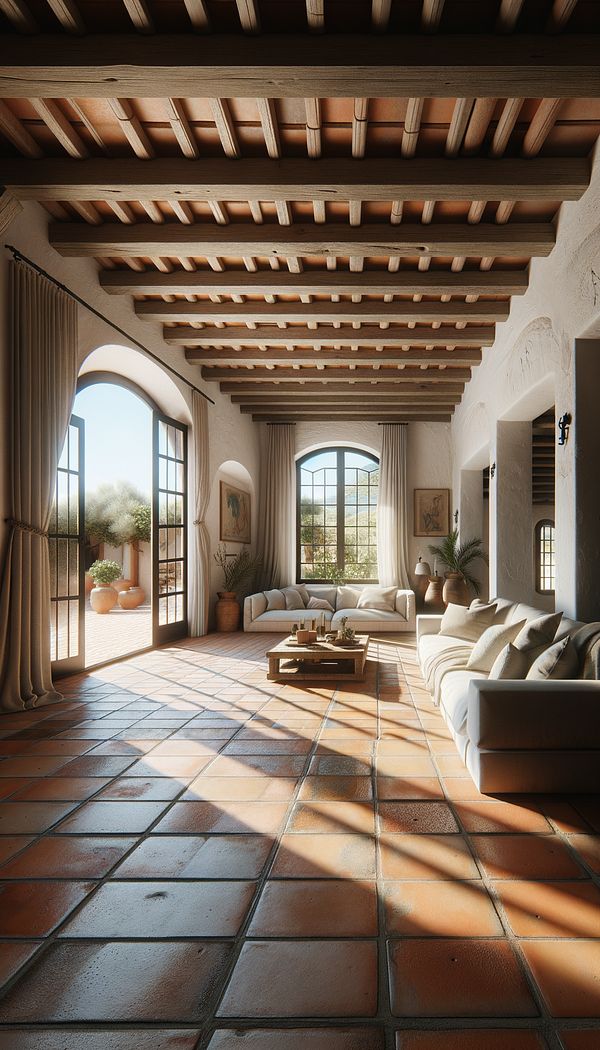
{"points": [[16, 132], [366, 337], [297, 313], [294, 179], [268, 282], [321, 358], [252, 404], [374, 387], [202, 239], [68, 15], [365, 417], [318, 375], [293, 66], [140, 16], [19, 15], [61, 128]]}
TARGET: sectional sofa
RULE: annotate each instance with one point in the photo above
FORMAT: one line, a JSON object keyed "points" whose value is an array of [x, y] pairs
{"points": [[518, 735], [343, 601]]}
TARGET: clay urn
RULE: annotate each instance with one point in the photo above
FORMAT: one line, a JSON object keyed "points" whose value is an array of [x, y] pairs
{"points": [[103, 598], [456, 590], [131, 597], [227, 611]]}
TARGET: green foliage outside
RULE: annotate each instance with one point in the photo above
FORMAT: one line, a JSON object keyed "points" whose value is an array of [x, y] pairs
{"points": [[105, 571], [360, 560], [117, 514]]}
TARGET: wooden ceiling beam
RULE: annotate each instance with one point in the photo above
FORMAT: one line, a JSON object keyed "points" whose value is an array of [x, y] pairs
{"points": [[16, 132], [293, 66], [317, 282], [465, 339], [243, 239], [364, 417], [322, 313], [323, 358], [18, 14], [68, 15], [140, 16], [292, 179], [340, 408], [374, 387], [334, 375], [439, 395]]}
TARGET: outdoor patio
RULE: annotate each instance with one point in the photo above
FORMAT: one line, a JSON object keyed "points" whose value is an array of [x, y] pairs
{"points": [[117, 633]]}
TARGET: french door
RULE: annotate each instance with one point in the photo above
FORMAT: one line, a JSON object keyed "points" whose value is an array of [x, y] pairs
{"points": [[169, 532], [66, 550]]}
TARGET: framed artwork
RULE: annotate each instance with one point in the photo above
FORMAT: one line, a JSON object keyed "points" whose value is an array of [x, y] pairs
{"points": [[432, 512], [234, 516]]}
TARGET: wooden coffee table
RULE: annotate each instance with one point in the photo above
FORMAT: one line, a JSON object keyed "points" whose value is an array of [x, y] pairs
{"points": [[319, 660]]}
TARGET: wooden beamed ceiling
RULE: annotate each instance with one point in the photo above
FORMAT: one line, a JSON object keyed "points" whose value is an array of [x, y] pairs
{"points": [[325, 207]]}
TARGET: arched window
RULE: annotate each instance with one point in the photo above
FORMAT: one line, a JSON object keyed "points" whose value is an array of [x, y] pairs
{"points": [[336, 515], [545, 557]]}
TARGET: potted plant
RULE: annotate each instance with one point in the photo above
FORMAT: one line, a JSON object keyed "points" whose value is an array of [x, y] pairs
{"points": [[236, 568], [457, 557], [120, 515], [103, 596]]}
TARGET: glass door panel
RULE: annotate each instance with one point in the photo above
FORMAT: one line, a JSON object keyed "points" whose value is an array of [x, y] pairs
{"points": [[170, 530], [65, 544]]}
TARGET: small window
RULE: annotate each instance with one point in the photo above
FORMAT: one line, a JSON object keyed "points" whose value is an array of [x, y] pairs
{"points": [[545, 557]]}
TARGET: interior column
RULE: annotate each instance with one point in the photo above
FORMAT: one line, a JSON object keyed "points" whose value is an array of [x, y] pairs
{"points": [[583, 443], [511, 539]]}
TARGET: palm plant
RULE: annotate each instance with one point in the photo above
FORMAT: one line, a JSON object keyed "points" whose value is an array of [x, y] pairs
{"points": [[457, 557], [237, 568]]}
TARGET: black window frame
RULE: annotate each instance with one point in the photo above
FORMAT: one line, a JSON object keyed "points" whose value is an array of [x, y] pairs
{"points": [[539, 527], [340, 451]]}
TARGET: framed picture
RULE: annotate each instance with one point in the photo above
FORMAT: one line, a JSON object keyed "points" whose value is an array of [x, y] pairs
{"points": [[432, 512], [234, 516]]}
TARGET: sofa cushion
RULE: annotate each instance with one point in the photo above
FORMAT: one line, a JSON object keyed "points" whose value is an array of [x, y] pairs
{"points": [[439, 654], [587, 645], [380, 598], [454, 693], [302, 591], [319, 603], [510, 663], [559, 661], [275, 599], [467, 624], [491, 643], [320, 590], [347, 598], [538, 634], [364, 617], [283, 616], [504, 608], [293, 598]]}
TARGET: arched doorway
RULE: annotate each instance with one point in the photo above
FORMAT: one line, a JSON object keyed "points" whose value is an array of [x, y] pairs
{"points": [[124, 463]]}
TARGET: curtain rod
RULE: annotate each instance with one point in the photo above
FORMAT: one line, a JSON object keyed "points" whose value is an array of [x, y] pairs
{"points": [[405, 424], [19, 257]]}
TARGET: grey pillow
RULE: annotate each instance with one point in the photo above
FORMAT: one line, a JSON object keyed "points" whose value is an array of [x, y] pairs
{"points": [[559, 661], [468, 624], [347, 598], [382, 598], [275, 599], [493, 640], [319, 603], [510, 663], [293, 598], [538, 634], [302, 591]]}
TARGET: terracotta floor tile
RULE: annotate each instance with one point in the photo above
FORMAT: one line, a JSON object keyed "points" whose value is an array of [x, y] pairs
{"points": [[581, 1040], [567, 974], [525, 857], [267, 747], [163, 909], [97, 766], [551, 909], [416, 817], [150, 789], [244, 789], [292, 908], [426, 857], [197, 857], [257, 766], [332, 818], [32, 766], [500, 817], [565, 817], [135, 748], [362, 748], [452, 765], [31, 817], [588, 848], [112, 818], [462, 789], [402, 766], [589, 808], [109, 1039], [52, 857], [295, 1039], [34, 908], [339, 766], [440, 909], [11, 786], [397, 788], [60, 789], [457, 978], [303, 979], [325, 856], [471, 1039], [13, 955], [118, 982], [9, 845], [265, 818], [180, 767], [329, 788], [183, 749]]}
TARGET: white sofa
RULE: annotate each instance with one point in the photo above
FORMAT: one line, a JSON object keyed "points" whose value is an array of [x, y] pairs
{"points": [[256, 617], [518, 735]]}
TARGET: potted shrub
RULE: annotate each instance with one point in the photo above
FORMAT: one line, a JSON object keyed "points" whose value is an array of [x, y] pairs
{"points": [[103, 596], [121, 515], [236, 569], [457, 557]]}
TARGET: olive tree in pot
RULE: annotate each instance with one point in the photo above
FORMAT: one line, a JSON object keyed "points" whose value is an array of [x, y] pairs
{"points": [[103, 596], [457, 557], [236, 569], [120, 515]]}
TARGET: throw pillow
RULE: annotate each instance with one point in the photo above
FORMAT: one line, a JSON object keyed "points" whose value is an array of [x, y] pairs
{"points": [[319, 603], [510, 663], [302, 591], [293, 598], [347, 598], [558, 661], [503, 607], [467, 624], [491, 643], [382, 598], [275, 599], [538, 634]]}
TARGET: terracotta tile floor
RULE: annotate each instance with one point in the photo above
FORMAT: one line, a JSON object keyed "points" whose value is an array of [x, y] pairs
{"points": [[193, 858]]}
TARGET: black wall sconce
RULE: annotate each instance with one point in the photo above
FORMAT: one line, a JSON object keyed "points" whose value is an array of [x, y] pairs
{"points": [[456, 517], [563, 425], [493, 470]]}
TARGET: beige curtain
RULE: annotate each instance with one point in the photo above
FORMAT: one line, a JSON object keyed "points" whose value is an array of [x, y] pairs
{"points": [[200, 576], [277, 515], [392, 508], [43, 364]]}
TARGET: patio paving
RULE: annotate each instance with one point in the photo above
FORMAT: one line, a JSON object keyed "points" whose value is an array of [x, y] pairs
{"points": [[117, 633]]}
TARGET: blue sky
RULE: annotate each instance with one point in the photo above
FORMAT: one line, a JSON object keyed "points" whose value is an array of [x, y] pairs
{"points": [[118, 437]]}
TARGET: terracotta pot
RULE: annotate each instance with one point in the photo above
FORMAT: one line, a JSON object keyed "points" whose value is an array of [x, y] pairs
{"points": [[433, 601], [456, 590], [227, 611], [121, 584], [89, 583], [132, 597], [103, 598]]}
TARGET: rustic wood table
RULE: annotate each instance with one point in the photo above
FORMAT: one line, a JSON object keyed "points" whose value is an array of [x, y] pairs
{"points": [[288, 660]]}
